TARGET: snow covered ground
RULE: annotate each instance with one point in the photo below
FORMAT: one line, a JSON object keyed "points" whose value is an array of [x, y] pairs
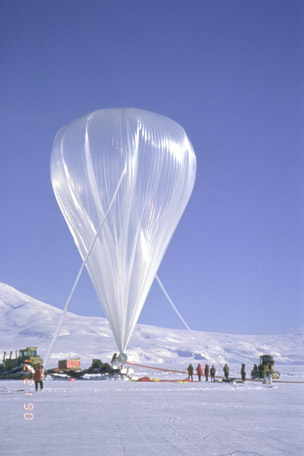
{"points": [[133, 419], [157, 418]]}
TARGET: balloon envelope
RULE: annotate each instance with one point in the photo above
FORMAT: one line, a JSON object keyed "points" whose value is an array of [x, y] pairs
{"points": [[88, 158]]}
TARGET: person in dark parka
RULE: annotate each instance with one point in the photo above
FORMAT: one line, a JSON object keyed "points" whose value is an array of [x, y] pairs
{"points": [[206, 371], [243, 372], [190, 372], [212, 373], [226, 371]]}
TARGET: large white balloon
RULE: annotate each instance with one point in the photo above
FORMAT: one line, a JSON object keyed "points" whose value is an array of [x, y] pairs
{"points": [[88, 158]]}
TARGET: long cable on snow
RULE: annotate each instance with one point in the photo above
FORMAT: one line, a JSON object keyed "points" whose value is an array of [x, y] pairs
{"points": [[178, 313], [80, 272]]}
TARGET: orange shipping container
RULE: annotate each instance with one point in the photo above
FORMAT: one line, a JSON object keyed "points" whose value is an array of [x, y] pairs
{"points": [[71, 364]]}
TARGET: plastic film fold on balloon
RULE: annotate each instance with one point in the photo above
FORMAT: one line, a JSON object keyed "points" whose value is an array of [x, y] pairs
{"points": [[88, 159]]}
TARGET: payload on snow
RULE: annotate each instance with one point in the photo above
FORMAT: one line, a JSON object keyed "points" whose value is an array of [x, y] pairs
{"points": [[70, 369]]}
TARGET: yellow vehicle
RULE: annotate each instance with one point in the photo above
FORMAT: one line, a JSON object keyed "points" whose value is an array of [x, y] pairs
{"points": [[265, 368], [15, 367]]}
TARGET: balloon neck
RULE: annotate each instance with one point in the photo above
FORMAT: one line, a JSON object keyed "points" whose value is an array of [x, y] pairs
{"points": [[121, 359]]}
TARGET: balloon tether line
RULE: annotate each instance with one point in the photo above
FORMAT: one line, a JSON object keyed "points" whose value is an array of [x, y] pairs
{"points": [[178, 313], [80, 272]]}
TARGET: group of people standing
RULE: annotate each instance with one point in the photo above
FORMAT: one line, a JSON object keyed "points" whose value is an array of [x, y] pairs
{"points": [[212, 371], [200, 371]]}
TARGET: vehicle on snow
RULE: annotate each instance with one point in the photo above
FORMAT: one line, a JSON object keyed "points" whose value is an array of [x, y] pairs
{"points": [[21, 366], [265, 368]]}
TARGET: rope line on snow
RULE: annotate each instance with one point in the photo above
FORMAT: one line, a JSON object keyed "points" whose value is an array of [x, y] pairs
{"points": [[157, 368], [164, 370]]}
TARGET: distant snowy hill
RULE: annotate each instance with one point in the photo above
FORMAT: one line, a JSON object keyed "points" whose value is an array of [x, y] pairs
{"points": [[25, 321]]}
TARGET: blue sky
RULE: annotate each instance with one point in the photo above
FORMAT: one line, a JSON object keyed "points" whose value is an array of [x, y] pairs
{"points": [[231, 73]]}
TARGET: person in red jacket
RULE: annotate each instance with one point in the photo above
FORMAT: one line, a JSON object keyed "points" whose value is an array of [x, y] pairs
{"points": [[38, 378], [199, 371], [206, 371]]}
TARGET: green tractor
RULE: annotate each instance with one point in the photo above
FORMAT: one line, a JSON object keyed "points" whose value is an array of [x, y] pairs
{"points": [[15, 368], [265, 368]]}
